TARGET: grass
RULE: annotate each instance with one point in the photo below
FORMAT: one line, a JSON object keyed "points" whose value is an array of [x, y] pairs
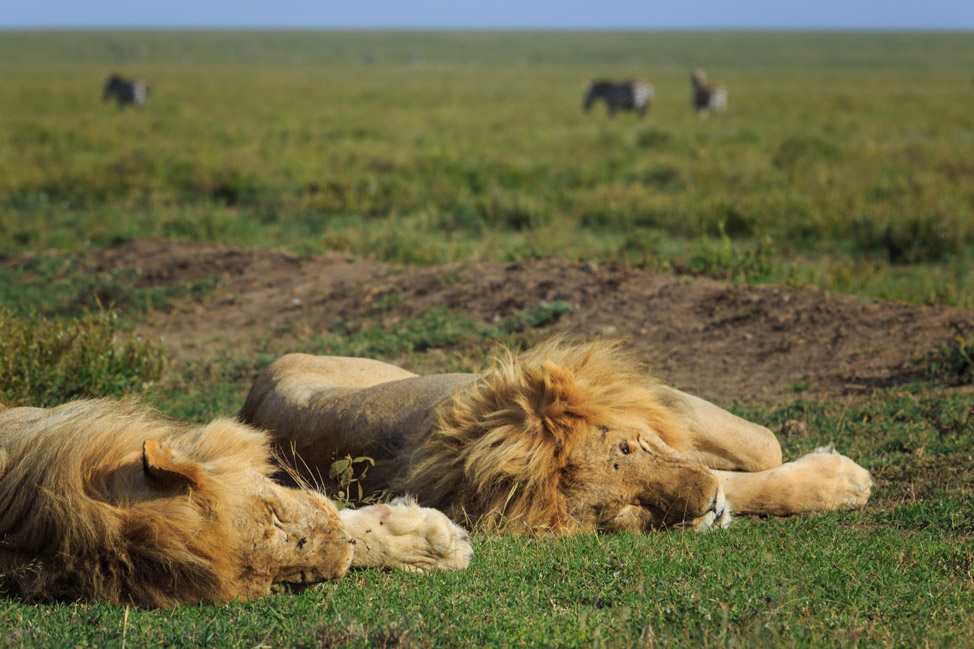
{"points": [[844, 162], [897, 574], [59, 284], [45, 362]]}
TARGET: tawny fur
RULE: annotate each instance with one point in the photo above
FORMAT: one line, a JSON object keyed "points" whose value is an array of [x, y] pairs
{"points": [[62, 507]]}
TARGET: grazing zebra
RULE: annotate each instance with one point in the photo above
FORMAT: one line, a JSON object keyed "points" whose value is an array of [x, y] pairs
{"points": [[629, 95], [127, 92], [707, 97]]}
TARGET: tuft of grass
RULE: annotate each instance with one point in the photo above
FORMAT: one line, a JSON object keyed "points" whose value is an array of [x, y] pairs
{"points": [[44, 361], [953, 362], [723, 259]]}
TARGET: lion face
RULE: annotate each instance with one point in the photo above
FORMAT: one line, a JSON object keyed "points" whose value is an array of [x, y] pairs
{"points": [[279, 535], [627, 479], [565, 439], [289, 536]]}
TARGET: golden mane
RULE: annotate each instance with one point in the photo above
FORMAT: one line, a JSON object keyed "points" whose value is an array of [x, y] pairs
{"points": [[502, 446], [66, 502]]}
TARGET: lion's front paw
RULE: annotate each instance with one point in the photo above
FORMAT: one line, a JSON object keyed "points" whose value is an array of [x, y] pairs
{"points": [[833, 481], [404, 535]]}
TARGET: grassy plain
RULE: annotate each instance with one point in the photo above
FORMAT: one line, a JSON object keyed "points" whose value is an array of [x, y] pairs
{"points": [[846, 161]]}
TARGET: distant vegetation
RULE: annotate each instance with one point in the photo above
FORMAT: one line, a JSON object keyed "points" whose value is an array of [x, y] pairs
{"points": [[844, 161]]}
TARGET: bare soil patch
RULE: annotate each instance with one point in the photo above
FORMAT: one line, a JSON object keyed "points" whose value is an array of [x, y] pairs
{"points": [[720, 340]]}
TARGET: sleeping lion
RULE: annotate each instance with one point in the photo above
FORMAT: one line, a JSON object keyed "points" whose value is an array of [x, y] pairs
{"points": [[564, 438], [109, 501]]}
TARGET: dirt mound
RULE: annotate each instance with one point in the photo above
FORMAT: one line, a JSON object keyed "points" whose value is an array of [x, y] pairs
{"points": [[721, 340]]}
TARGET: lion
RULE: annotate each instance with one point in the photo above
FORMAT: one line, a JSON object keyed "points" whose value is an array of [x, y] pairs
{"points": [[104, 500], [564, 438]]}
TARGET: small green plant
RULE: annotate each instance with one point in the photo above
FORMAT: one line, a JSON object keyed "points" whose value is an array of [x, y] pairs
{"points": [[532, 317], [953, 362], [70, 286], [727, 259], [44, 361], [349, 479]]}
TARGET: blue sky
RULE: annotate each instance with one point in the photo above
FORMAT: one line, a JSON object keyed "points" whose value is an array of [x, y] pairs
{"points": [[445, 14]]}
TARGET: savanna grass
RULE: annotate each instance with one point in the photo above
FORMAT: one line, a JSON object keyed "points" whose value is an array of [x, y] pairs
{"points": [[844, 160]]}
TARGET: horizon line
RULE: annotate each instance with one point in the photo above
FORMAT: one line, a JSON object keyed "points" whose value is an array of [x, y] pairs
{"points": [[468, 28]]}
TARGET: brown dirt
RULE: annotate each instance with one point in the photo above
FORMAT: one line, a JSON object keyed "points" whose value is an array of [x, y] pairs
{"points": [[720, 340]]}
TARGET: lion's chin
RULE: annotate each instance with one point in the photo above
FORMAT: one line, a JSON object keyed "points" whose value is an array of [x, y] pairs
{"points": [[716, 519]]}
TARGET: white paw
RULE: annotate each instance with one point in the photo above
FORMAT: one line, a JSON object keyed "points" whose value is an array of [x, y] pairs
{"points": [[404, 535], [840, 483]]}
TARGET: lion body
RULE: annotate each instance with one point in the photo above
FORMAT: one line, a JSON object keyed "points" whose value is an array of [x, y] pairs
{"points": [[564, 437], [108, 501]]}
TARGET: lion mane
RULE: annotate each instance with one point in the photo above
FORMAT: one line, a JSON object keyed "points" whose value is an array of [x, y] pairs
{"points": [[70, 527], [500, 452]]}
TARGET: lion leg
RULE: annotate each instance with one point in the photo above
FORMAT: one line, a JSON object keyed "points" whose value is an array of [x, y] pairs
{"points": [[722, 440], [823, 480], [407, 536]]}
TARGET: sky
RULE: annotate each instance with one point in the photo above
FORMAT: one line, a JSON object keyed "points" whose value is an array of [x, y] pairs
{"points": [[493, 14]]}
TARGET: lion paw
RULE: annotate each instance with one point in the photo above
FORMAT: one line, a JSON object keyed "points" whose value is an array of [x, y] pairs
{"points": [[404, 535], [832, 480]]}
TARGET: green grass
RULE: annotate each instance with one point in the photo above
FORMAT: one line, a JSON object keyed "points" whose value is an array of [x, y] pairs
{"points": [[60, 284], [835, 580], [899, 573], [844, 161], [45, 362]]}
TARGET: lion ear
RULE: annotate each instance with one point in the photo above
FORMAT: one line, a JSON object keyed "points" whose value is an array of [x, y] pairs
{"points": [[560, 383], [164, 470], [558, 406]]}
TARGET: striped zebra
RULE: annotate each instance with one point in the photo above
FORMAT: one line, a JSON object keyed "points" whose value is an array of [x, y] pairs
{"points": [[707, 97], [628, 95], [127, 92]]}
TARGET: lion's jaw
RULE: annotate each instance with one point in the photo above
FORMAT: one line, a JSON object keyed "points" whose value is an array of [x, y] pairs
{"points": [[627, 480], [718, 517]]}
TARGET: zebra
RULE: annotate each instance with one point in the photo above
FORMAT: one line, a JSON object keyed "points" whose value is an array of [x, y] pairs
{"points": [[707, 97], [127, 92], [631, 95]]}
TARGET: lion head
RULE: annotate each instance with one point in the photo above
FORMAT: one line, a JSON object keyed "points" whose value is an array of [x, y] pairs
{"points": [[105, 500], [566, 438]]}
